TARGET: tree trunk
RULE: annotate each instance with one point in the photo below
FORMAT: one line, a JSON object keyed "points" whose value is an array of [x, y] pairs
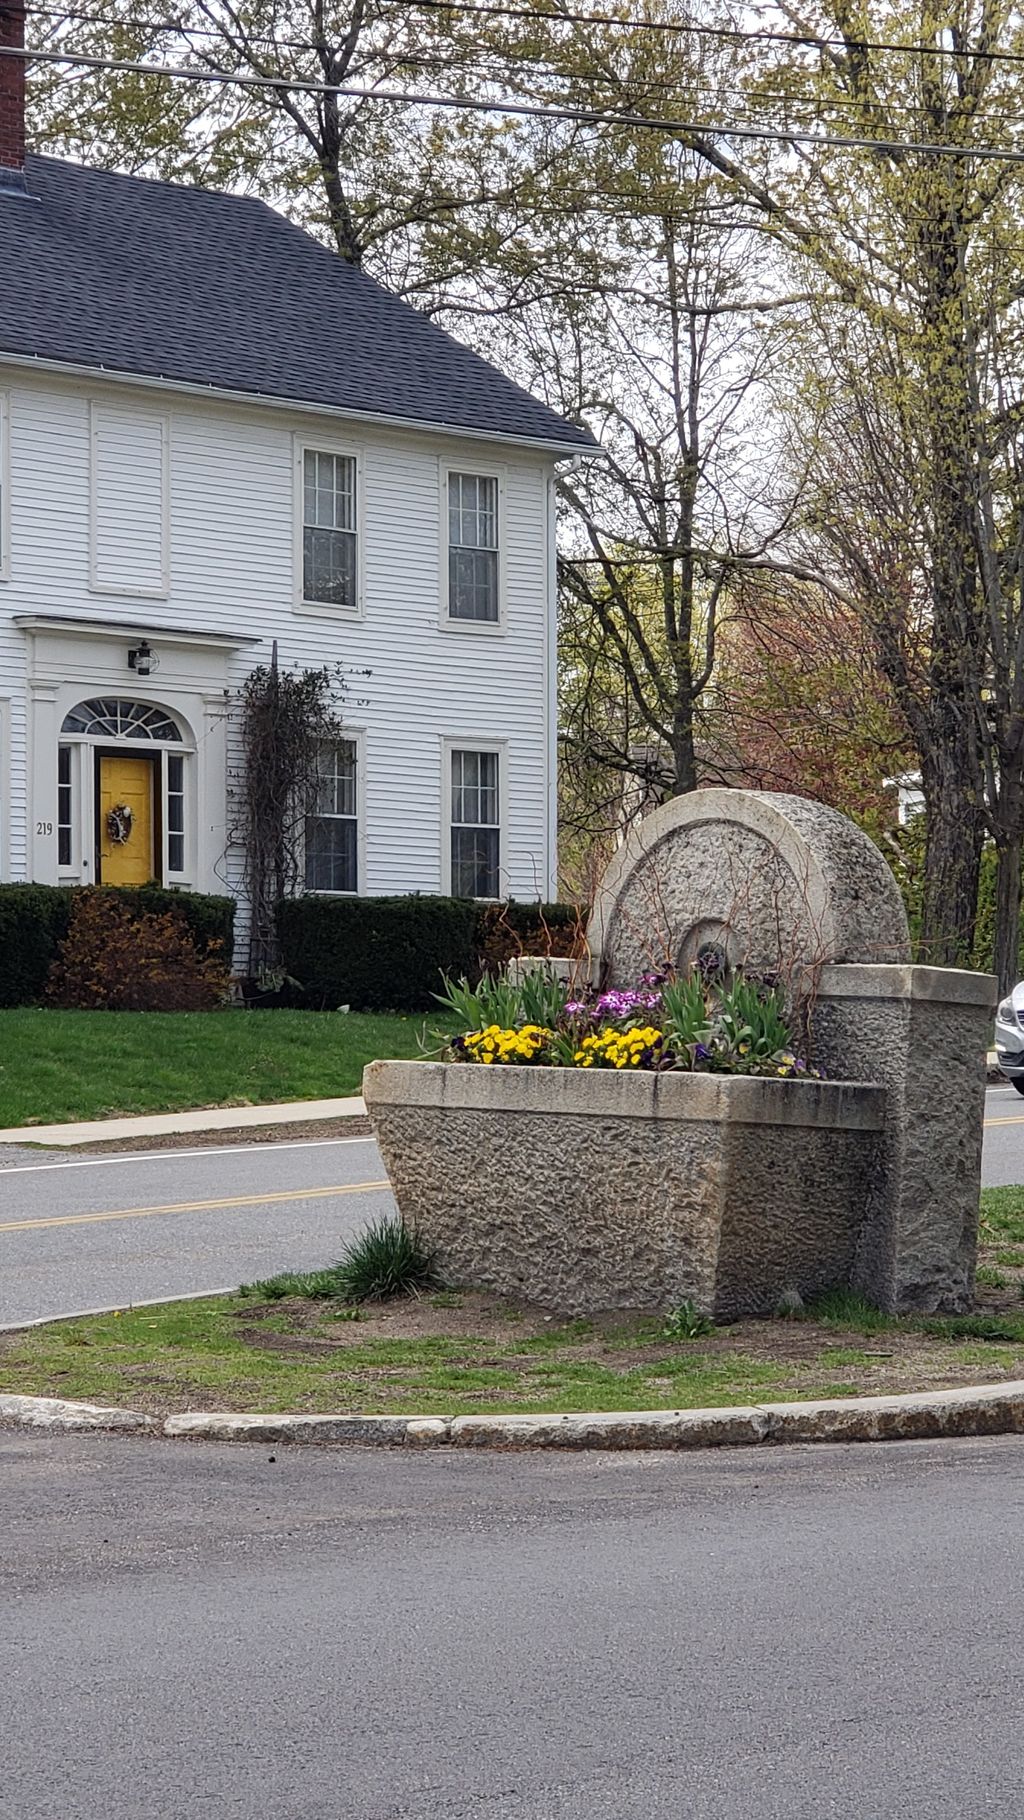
{"points": [[952, 859]]}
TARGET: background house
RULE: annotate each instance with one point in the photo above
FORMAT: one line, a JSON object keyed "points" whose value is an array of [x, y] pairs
{"points": [[215, 434]]}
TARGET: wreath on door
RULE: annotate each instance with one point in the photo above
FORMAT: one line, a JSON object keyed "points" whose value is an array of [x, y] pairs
{"points": [[119, 824]]}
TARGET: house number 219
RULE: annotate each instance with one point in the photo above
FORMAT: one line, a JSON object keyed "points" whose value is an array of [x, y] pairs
{"points": [[44, 827]]}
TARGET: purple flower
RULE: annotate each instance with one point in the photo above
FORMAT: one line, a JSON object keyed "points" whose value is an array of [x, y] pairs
{"points": [[576, 1007], [702, 1053], [623, 1004]]}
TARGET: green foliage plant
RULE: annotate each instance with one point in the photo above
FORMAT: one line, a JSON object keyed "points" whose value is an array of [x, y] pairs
{"points": [[385, 1260], [685, 1011], [539, 997], [686, 1322], [752, 1019], [695, 1022]]}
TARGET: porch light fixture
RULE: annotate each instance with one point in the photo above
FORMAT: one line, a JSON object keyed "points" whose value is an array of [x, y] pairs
{"points": [[142, 660]]}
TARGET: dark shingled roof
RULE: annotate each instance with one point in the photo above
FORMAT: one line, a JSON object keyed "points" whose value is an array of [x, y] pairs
{"points": [[156, 279]]}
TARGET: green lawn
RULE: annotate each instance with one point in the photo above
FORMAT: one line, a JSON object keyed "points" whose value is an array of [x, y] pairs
{"points": [[448, 1355], [60, 1065], [456, 1352]]}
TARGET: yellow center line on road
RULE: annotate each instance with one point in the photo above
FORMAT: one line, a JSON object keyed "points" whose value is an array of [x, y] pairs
{"points": [[1018, 1120], [238, 1200]]}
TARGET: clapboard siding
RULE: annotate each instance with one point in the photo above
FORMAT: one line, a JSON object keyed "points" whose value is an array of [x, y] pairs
{"points": [[128, 501], [227, 475]]}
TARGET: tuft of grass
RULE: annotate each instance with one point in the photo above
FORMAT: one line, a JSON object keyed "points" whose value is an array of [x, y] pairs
{"points": [[1002, 1212], [991, 1278], [845, 1308], [386, 1259], [973, 1327], [686, 1322], [317, 1285]]}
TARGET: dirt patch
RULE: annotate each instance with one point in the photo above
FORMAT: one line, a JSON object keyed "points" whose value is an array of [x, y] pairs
{"points": [[486, 1332]]}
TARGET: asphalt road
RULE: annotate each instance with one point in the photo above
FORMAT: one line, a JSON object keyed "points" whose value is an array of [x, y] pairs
{"points": [[84, 1232], [79, 1232], [202, 1630], [1003, 1156]]}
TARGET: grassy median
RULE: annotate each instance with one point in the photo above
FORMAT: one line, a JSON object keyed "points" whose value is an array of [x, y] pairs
{"points": [[453, 1351], [62, 1065]]}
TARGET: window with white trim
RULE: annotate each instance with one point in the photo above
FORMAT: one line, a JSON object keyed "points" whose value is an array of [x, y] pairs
{"points": [[332, 830], [65, 806], [175, 812], [329, 553], [473, 591], [475, 786]]}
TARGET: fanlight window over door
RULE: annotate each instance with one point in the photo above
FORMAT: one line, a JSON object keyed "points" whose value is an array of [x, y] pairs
{"points": [[112, 718]]}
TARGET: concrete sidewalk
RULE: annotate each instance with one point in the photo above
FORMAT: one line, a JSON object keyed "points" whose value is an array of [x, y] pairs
{"points": [[172, 1124]]}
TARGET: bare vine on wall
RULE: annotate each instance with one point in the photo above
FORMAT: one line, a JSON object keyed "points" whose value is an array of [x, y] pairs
{"points": [[287, 717]]}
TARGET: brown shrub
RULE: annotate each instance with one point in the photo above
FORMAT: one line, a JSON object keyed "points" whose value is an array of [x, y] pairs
{"points": [[550, 930], [114, 959]]}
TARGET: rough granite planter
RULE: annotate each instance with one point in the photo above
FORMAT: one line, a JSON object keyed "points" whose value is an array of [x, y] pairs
{"points": [[582, 1190]]}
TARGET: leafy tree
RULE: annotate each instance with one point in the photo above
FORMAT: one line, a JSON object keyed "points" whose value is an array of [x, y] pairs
{"points": [[798, 704], [690, 292], [907, 398]]}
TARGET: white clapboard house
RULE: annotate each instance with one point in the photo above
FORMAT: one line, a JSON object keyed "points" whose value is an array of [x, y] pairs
{"points": [[214, 435]]}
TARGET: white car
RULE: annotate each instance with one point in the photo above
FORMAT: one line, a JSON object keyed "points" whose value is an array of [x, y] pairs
{"points": [[1010, 1037]]}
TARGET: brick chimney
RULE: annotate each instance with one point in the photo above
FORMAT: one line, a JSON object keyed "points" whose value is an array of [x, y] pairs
{"points": [[12, 94]]}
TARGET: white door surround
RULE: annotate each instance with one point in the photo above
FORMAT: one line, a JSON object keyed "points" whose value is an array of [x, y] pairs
{"points": [[73, 661]]}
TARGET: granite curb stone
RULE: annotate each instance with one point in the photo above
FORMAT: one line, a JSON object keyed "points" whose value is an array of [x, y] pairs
{"points": [[985, 1409], [54, 1412]]}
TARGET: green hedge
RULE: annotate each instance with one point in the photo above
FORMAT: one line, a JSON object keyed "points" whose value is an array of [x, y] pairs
{"points": [[34, 920], [375, 953]]}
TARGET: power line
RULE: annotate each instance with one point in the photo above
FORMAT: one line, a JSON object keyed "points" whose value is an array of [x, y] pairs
{"points": [[725, 34], [514, 61], [580, 116]]}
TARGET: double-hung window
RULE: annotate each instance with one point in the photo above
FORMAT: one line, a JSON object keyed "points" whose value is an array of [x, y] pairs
{"points": [[473, 552], [475, 820], [329, 538], [332, 829]]}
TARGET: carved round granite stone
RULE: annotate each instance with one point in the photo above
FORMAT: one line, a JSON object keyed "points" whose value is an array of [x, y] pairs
{"points": [[775, 882]]}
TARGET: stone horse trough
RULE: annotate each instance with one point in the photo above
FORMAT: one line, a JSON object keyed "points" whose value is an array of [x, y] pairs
{"points": [[584, 1190]]}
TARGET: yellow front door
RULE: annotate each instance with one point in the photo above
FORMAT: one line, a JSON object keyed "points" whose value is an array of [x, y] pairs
{"points": [[126, 821]]}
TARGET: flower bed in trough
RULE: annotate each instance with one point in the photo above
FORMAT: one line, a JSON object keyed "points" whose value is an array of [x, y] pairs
{"points": [[630, 1150]]}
